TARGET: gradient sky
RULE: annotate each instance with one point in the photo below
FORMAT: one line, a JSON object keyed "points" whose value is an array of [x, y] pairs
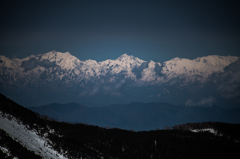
{"points": [[100, 30]]}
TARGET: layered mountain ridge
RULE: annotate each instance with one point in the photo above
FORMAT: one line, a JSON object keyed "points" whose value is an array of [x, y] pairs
{"points": [[64, 72], [137, 116]]}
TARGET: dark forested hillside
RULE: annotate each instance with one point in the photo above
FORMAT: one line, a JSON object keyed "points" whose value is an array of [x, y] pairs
{"points": [[88, 141]]}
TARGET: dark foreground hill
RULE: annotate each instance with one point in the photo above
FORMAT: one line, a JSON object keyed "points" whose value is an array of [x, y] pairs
{"points": [[85, 141], [138, 116]]}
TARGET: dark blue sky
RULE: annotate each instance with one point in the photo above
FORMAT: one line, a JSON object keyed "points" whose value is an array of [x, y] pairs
{"points": [[100, 30]]}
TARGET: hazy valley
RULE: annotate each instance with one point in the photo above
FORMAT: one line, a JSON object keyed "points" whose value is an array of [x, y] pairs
{"points": [[138, 116]]}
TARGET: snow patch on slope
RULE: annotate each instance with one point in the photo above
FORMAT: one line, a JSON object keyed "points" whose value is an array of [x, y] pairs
{"points": [[211, 130], [29, 138], [7, 152]]}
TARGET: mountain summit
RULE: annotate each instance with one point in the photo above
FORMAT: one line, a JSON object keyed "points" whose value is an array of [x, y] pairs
{"points": [[128, 58], [124, 57]]}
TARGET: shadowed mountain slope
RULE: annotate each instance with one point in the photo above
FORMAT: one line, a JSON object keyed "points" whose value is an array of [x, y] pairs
{"points": [[65, 140]]}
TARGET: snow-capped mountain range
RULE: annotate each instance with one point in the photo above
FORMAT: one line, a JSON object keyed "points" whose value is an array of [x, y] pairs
{"points": [[63, 71], [68, 66]]}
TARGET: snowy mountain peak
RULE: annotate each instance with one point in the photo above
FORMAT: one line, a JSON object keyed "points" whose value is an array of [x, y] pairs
{"points": [[124, 57], [6, 62], [53, 55], [64, 60], [129, 59], [199, 68], [216, 60]]}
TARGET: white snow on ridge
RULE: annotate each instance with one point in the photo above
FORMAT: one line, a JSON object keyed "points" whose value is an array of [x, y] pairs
{"points": [[211, 130], [64, 60], [7, 152], [29, 139], [149, 74], [74, 70], [199, 68], [202, 130], [6, 62]]}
